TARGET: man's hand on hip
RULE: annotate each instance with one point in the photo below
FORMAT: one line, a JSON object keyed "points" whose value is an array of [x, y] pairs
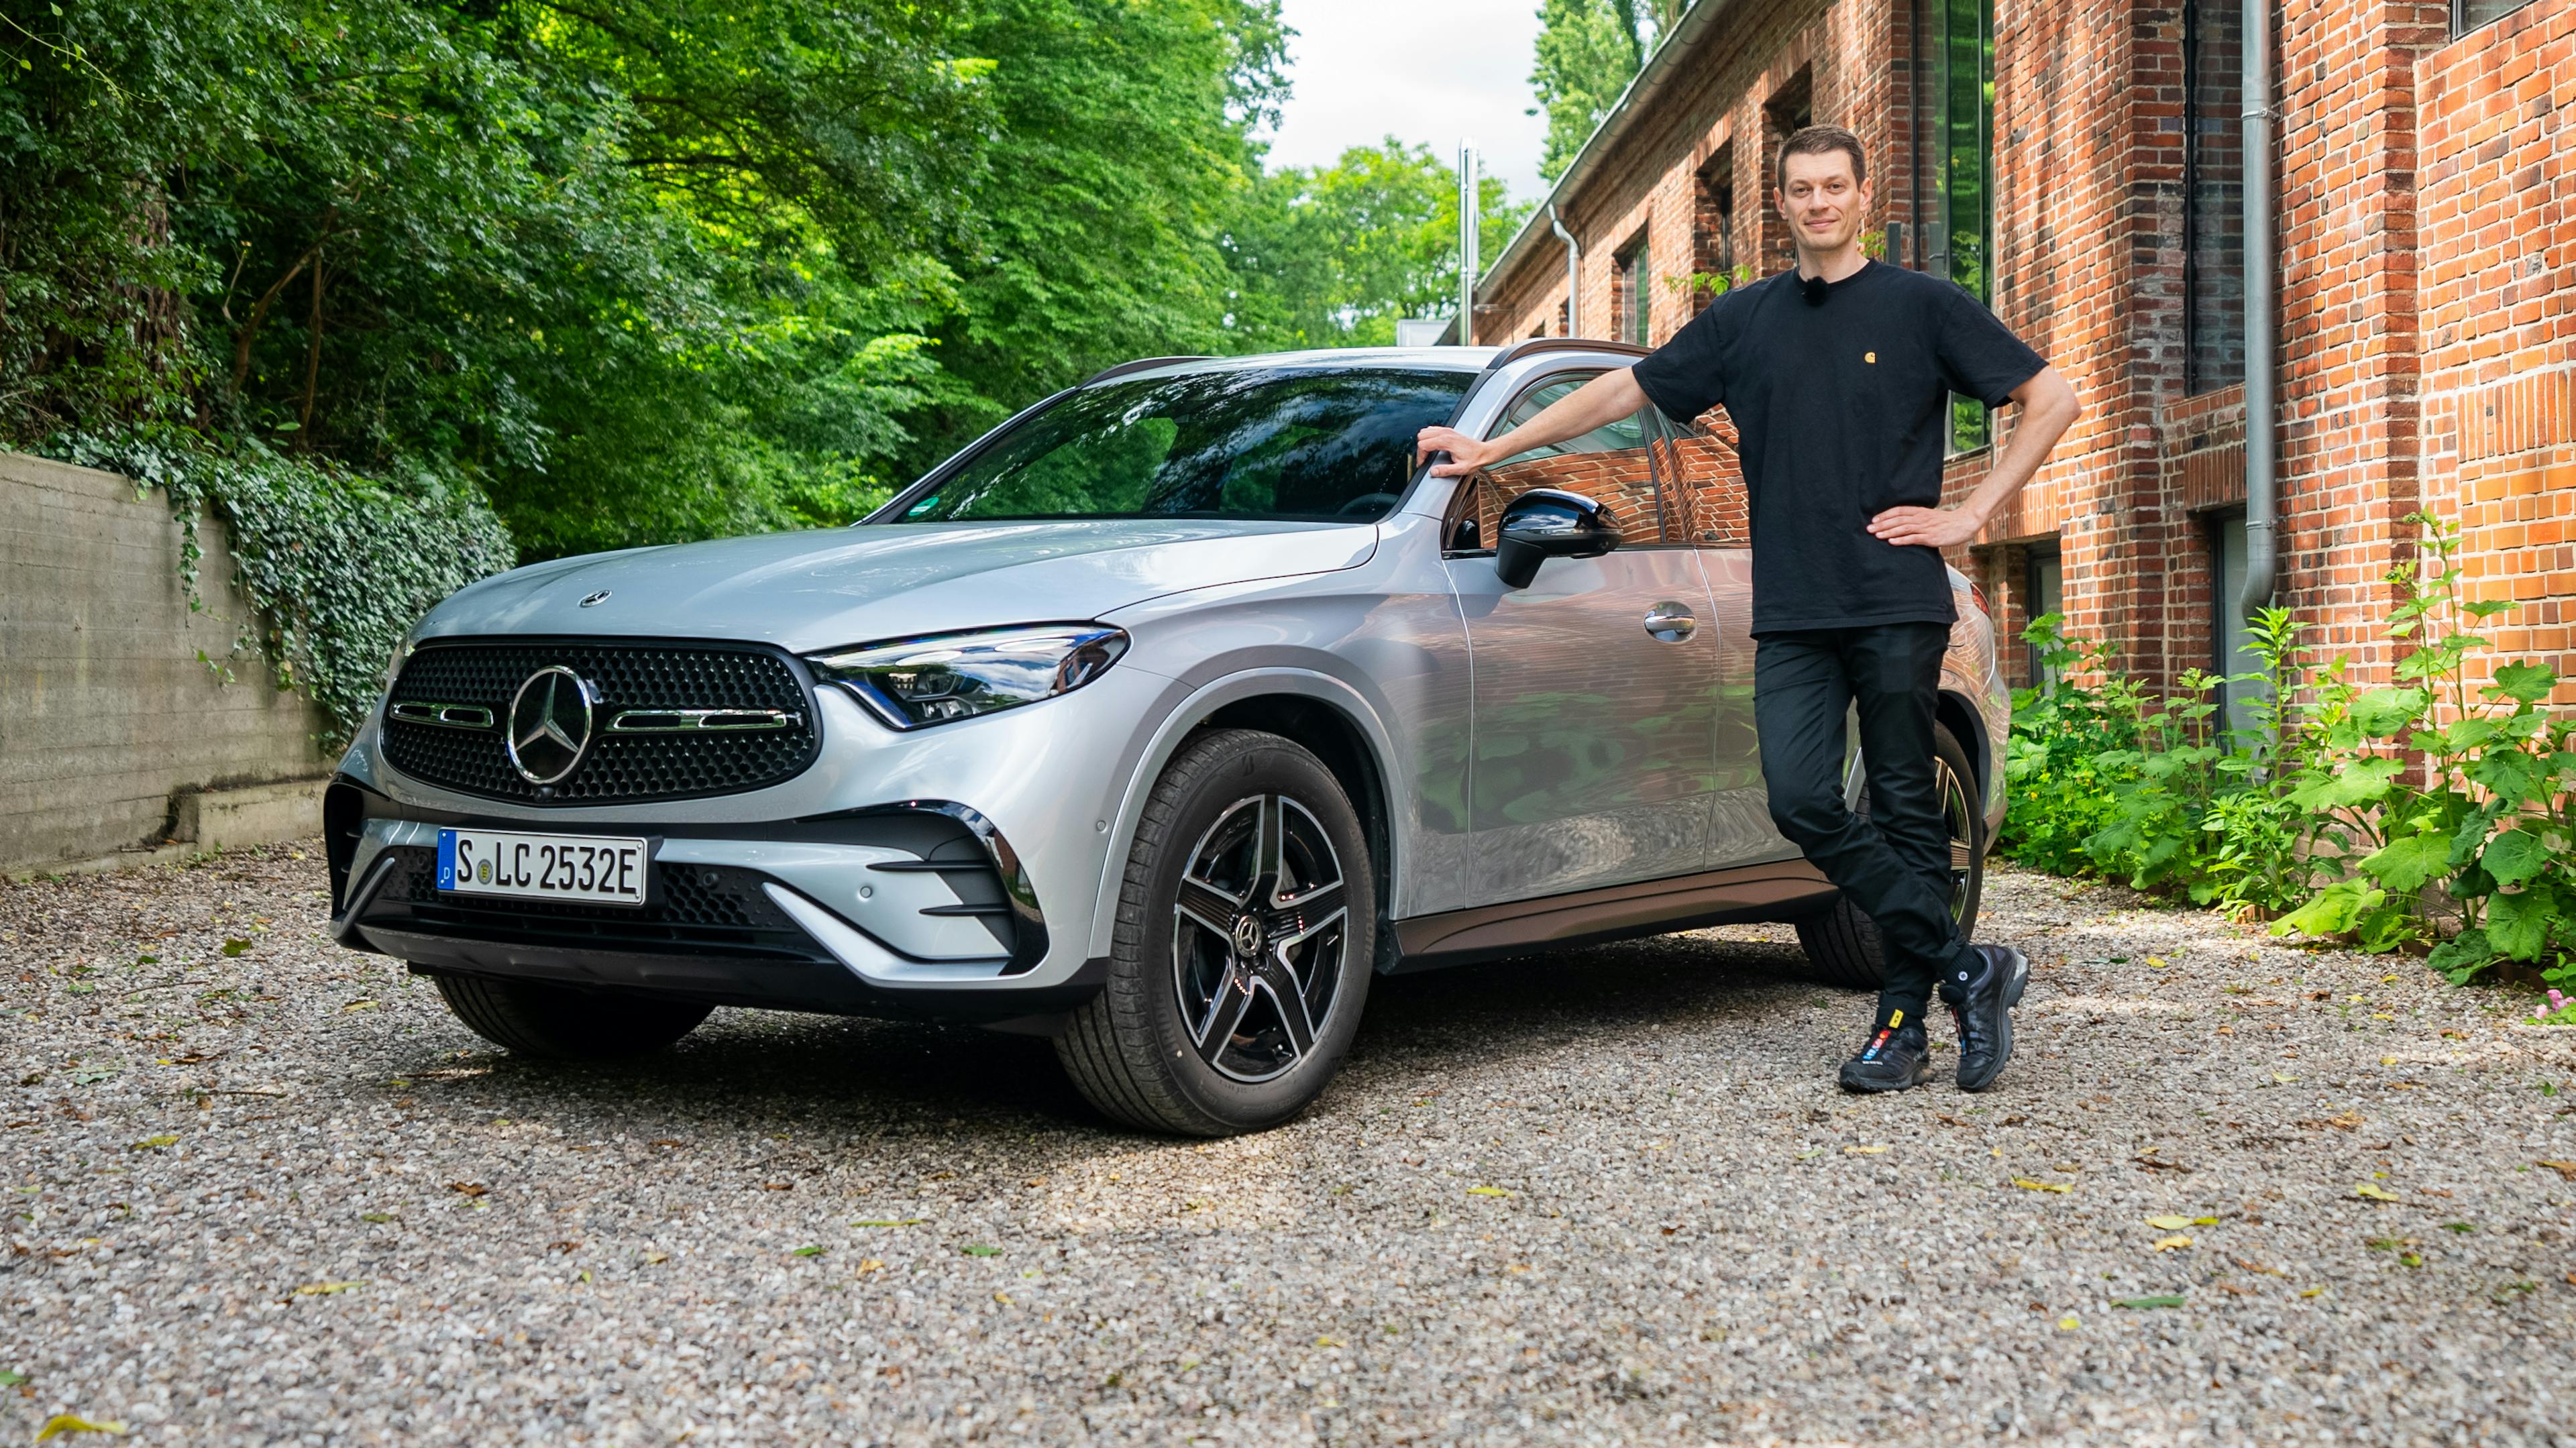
{"points": [[1926, 527]]}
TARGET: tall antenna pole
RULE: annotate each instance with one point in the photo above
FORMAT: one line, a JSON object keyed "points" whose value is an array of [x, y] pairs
{"points": [[1468, 265]]}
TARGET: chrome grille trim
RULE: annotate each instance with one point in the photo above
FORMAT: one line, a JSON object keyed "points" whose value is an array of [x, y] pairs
{"points": [[445, 716], [688, 721]]}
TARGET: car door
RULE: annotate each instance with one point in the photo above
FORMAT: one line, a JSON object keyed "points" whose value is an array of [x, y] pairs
{"points": [[1595, 688], [1706, 488]]}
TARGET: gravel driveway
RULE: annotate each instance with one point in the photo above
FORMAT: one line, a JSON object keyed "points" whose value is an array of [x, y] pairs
{"points": [[263, 1190]]}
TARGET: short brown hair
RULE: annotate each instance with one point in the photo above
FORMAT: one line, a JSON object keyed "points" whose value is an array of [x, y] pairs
{"points": [[1818, 141]]}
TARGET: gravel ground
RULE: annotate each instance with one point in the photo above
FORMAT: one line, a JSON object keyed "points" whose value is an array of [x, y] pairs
{"points": [[262, 1190]]}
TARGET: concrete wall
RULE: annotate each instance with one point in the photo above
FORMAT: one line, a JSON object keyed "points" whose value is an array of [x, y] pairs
{"points": [[113, 736]]}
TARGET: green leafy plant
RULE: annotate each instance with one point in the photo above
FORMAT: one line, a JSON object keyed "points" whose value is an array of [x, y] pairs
{"points": [[338, 566]]}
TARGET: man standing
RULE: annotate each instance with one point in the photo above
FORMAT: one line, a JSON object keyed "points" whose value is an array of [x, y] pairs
{"points": [[1838, 378]]}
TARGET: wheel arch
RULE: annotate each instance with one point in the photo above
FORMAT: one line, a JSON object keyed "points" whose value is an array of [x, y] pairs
{"points": [[1957, 713], [1322, 714]]}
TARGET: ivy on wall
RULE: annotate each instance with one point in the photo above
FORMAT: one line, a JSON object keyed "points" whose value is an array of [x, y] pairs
{"points": [[337, 566]]}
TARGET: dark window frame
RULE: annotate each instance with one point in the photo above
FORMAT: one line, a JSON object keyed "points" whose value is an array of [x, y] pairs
{"points": [[2465, 17], [1940, 204]]}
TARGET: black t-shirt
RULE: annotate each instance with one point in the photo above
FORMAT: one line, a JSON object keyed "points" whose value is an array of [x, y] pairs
{"points": [[1840, 412]]}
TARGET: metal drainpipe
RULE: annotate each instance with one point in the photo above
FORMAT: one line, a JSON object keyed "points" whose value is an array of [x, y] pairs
{"points": [[1469, 264], [2261, 424], [1573, 272]]}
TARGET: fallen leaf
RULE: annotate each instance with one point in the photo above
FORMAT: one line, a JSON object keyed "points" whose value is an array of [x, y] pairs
{"points": [[1863, 1150], [2169, 1299], [2170, 1244], [2068, 1323], [977, 1249], [328, 1289], [890, 1222], [872, 1264], [2283, 1078], [1487, 1192], [813, 1251], [2566, 1169], [656, 1259], [62, 1423], [2312, 1292], [1003, 1298], [2027, 1183], [2156, 961], [235, 947], [2251, 1266], [2374, 1192], [10, 1377], [1517, 1268], [154, 1143], [1328, 1342], [778, 1186], [471, 1189], [2169, 1224], [375, 1216]]}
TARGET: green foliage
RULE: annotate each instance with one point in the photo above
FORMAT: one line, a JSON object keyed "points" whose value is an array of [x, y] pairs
{"points": [[1588, 51], [338, 566], [1333, 256], [2394, 816]]}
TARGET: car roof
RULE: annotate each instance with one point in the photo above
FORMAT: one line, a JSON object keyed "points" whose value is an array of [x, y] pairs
{"points": [[1340, 359]]}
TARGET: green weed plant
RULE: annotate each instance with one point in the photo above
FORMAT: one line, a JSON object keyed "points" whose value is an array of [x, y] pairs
{"points": [[2435, 812]]}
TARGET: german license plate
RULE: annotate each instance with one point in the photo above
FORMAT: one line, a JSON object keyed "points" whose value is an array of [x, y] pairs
{"points": [[594, 869]]}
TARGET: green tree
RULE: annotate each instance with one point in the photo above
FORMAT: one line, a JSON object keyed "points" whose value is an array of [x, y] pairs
{"points": [[1588, 51], [1333, 256]]}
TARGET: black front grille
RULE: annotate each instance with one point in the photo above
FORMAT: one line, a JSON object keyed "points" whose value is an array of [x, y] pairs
{"points": [[698, 910], [618, 768]]}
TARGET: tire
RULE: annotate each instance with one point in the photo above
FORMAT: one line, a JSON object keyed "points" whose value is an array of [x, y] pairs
{"points": [[1192, 1033], [1842, 944], [557, 1023]]}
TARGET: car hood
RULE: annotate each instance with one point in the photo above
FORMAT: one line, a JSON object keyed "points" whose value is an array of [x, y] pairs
{"points": [[819, 590]]}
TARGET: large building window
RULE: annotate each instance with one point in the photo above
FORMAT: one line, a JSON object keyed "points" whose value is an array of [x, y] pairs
{"points": [[2468, 15], [1958, 205], [1790, 109], [2213, 71], [1631, 298], [2043, 593], [1713, 226]]}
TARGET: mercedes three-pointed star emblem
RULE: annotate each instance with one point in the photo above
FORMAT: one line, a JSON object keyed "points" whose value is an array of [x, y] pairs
{"points": [[550, 724]]}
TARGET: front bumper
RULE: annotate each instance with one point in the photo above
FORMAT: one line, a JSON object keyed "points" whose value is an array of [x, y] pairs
{"points": [[894, 911], [1034, 789]]}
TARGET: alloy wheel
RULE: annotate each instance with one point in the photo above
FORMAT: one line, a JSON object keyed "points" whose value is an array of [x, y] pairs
{"points": [[1258, 933]]}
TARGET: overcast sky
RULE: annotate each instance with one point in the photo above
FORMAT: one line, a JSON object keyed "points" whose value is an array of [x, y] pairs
{"points": [[1430, 71]]}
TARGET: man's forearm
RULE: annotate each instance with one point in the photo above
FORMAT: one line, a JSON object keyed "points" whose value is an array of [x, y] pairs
{"points": [[1596, 404], [2042, 422]]}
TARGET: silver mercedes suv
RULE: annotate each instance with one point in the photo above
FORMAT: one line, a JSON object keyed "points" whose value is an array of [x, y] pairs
{"points": [[1157, 721]]}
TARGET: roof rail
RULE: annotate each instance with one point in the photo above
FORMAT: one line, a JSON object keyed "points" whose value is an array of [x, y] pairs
{"points": [[1139, 365], [1532, 346]]}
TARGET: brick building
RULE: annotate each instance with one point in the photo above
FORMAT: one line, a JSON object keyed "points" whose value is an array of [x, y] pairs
{"points": [[2077, 163]]}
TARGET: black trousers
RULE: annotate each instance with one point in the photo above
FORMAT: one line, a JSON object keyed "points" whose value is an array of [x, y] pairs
{"points": [[1894, 865]]}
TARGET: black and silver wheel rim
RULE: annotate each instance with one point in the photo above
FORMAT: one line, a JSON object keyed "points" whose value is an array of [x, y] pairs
{"points": [[1959, 814], [1258, 936]]}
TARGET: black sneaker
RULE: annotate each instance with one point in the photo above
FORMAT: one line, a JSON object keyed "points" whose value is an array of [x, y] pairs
{"points": [[1894, 1060], [1983, 1010]]}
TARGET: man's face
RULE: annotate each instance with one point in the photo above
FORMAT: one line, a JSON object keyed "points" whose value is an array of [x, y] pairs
{"points": [[1822, 201]]}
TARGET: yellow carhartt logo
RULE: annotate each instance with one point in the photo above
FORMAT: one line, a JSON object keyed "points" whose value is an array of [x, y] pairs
{"points": [[1894, 1018], [1869, 357]]}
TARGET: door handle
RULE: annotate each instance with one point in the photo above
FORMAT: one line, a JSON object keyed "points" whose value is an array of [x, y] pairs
{"points": [[1670, 622]]}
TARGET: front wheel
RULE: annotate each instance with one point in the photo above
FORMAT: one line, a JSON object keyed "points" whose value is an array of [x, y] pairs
{"points": [[1240, 961], [1842, 944]]}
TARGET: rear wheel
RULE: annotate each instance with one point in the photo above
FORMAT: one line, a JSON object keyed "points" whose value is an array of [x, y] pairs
{"points": [[1240, 961], [1842, 944], [557, 1023]]}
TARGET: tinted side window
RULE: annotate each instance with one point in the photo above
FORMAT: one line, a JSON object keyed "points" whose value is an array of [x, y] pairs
{"points": [[1612, 465], [1709, 504]]}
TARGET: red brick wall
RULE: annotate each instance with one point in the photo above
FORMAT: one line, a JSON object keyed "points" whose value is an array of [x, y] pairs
{"points": [[2496, 204], [2427, 227]]}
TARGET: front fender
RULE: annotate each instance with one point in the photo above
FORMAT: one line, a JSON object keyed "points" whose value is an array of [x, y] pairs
{"points": [[1165, 741]]}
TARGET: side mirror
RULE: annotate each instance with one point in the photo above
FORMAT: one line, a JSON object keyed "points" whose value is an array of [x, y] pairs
{"points": [[1548, 523]]}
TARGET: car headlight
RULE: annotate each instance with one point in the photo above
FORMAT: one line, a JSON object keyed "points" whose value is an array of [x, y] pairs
{"points": [[910, 683]]}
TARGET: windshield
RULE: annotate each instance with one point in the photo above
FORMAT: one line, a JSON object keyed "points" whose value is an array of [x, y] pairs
{"points": [[1257, 443]]}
